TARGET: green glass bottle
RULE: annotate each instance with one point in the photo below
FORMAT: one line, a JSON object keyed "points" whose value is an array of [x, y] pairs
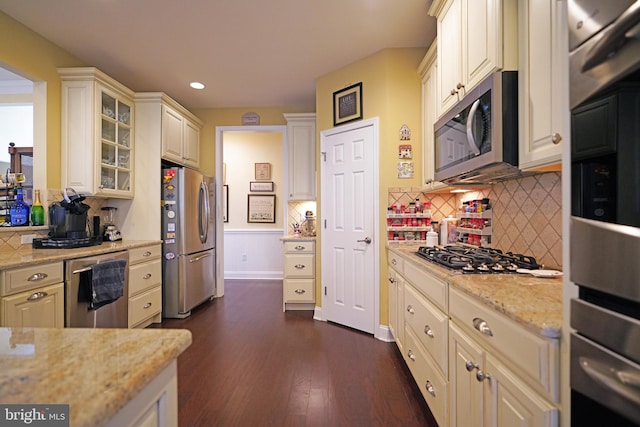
{"points": [[37, 211]]}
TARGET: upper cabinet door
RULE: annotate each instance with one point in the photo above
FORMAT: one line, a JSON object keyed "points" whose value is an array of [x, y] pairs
{"points": [[172, 136], [191, 154], [449, 54], [543, 79], [301, 150]]}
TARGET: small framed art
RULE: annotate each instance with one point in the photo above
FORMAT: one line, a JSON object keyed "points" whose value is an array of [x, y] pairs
{"points": [[347, 104], [266, 186], [263, 171], [261, 208]]}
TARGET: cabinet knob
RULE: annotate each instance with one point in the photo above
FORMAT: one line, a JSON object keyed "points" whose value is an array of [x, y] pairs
{"points": [[36, 296], [410, 309], [429, 181], [556, 138], [430, 389], [453, 92], [299, 291], [481, 376], [459, 85], [299, 248], [37, 277], [410, 355], [392, 280], [147, 305], [393, 261], [299, 266], [147, 276], [147, 253], [470, 366]]}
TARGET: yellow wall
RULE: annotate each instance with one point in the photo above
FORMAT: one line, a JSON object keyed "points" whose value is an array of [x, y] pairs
{"points": [[391, 91], [30, 55]]}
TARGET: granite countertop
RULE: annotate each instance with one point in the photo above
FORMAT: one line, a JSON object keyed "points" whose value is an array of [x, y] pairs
{"points": [[95, 371], [535, 303], [32, 256]]}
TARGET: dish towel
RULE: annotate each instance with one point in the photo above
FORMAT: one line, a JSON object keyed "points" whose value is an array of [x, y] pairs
{"points": [[107, 282]]}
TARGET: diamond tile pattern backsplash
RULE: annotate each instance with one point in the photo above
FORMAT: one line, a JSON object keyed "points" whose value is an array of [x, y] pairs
{"points": [[527, 213]]}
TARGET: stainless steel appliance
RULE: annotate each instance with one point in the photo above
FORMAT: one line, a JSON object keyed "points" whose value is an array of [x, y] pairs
{"points": [[470, 260], [476, 141], [605, 209], [78, 310], [188, 230]]}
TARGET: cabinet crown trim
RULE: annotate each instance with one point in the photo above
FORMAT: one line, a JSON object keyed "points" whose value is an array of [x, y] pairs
{"points": [[154, 97]]}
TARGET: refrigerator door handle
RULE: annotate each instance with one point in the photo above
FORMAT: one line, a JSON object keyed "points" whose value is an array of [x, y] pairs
{"points": [[203, 212], [200, 257]]}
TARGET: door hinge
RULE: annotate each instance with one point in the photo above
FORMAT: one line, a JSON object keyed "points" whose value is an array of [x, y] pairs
{"points": [[324, 156], [325, 224], [325, 291]]}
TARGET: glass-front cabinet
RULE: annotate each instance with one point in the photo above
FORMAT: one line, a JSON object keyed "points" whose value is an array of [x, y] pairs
{"points": [[105, 168]]}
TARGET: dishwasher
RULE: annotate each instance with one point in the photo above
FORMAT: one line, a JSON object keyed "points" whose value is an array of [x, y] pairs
{"points": [[78, 310]]}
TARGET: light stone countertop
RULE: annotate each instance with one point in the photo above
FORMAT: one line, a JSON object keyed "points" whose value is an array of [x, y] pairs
{"points": [[30, 256], [293, 238], [96, 371], [535, 303]]}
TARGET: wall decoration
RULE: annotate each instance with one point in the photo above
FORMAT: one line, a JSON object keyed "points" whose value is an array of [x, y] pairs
{"points": [[347, 104], [405, 151], [261, 186], [405, 169], [225, 203], [250, 119], [261, 208], [405, 133], [263, 171]]}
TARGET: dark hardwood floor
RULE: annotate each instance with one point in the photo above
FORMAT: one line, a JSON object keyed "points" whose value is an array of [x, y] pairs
{"points": [[250, 364]]}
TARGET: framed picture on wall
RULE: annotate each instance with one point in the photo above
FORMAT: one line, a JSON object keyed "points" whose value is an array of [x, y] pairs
{"points": [[266, 186], [263, 171], [347, 104], [261, 208]]}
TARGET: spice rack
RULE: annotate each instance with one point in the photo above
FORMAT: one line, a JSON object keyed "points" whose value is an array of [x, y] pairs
{"points": [[474, 229], [408, 227]]}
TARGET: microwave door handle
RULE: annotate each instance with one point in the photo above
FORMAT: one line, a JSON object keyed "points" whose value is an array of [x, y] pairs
{"points": [[471, 140], [613, 38]]}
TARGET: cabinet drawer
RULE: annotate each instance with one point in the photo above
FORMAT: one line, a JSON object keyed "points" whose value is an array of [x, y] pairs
{"points": [[299, 247], [299, 266], [146, 253], [37, 308], [30, 277], [144, 276], [396, 262], [429, 325], [299, 290], [145, 305], [538, 358], [434, 289], [432, 385]]}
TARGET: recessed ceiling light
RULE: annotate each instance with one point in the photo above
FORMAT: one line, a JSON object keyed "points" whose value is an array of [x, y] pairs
{"points": [[196, 85]]}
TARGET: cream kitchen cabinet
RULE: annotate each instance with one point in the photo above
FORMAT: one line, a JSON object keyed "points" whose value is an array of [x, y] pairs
{"points": [[499, 371], [299, 283], [97, 134], [301, 152], [542, 82], [145, 286], [32, 296], [475, 38], [396, 299], [180, 134], [428, 70]]}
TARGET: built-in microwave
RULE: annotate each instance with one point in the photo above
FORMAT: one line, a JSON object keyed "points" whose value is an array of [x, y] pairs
{"points": [[476, 141]]}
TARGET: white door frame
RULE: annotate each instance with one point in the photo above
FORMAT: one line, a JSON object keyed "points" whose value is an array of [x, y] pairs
{"points": [[220, 130], [380, 332]]}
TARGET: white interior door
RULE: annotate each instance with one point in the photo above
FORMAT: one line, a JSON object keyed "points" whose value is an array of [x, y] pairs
{"points": [[349, 216]]}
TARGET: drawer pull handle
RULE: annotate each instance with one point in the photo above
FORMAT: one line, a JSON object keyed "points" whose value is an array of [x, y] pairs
{"points": [[394, 262], [410, 355], [299, 248], [482, 326], [410, 310], [299, 291], [147, 276], [556, 138], [36, 296], [37, 277], [430, 389], [299, 266], [147, 253], [428, 331], [147, 305]]}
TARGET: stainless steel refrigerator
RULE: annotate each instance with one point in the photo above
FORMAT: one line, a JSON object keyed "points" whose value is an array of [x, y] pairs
{"points": [[188, 231]]}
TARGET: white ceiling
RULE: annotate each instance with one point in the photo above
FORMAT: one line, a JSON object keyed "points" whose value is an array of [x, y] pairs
{"points": [[248, 53]]}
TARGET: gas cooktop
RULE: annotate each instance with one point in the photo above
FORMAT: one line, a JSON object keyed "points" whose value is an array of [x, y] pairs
{"points": [[477, 260]]}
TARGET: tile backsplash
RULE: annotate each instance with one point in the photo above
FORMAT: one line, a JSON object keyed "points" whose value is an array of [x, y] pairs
{"points": [[527, 213]]}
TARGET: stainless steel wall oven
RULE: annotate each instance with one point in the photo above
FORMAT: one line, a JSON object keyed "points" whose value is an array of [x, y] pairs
{"points": [[605, 212]]}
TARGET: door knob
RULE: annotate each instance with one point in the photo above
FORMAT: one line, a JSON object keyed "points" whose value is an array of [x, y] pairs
{"points": [[366, 240]]}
